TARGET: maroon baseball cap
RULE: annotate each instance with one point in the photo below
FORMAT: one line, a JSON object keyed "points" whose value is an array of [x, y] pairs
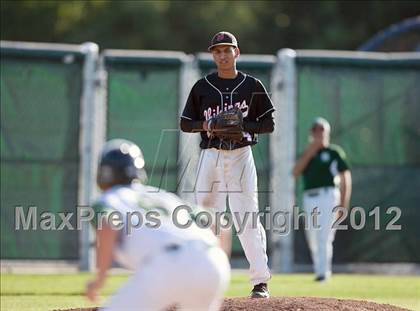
{"points": [[223, 38]]}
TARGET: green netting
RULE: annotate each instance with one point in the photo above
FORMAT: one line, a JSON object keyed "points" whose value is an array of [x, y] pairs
{"points": [[40, 101], [260, 151], [373, 110], [143, 107]]}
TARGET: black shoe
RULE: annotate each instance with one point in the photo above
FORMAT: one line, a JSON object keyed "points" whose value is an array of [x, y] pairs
{"points": [[320, 278], [260, 291]]}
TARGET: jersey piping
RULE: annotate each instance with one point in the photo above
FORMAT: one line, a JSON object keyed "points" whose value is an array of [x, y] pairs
{"points": [[221, 95], [231, 93]]}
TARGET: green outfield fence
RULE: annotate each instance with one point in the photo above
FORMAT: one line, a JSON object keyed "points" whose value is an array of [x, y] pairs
{"points": [[373, 103], [40, 111], [143, 93], [60, 102]]}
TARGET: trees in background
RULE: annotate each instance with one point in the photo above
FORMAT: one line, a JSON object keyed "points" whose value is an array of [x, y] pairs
{"points": [[261, 26]]}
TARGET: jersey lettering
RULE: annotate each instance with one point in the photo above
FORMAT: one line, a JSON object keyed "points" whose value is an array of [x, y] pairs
{"points": [[209, 112]]}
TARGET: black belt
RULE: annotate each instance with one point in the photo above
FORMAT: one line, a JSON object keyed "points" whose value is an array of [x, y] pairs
{"points": [[172, 247], [312, 193], [317, 191]]}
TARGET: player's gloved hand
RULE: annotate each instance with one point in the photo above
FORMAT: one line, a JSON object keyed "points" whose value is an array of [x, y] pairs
{"points": [[227, 125], [211, 124]]}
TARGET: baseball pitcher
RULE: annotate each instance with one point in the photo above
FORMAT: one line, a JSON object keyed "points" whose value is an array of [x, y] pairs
{"points": [[229, 109]]}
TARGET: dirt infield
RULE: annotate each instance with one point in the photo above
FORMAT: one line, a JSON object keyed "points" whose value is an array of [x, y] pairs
{"points": [[293, 303], [303, 304]]}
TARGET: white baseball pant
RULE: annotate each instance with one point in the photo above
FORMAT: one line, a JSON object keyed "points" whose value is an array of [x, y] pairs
{"points": [[320, 240], [232, 173], [193, 277]]}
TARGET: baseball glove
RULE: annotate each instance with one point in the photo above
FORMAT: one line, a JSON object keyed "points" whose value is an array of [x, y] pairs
{"points": [[227, 125]]}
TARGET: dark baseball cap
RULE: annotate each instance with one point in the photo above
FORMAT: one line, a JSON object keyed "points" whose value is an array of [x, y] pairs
{"points": [[223, 38]]}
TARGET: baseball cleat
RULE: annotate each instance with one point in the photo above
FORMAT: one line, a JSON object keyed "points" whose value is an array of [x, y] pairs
{"points": [[260, 291], [320, 279]]}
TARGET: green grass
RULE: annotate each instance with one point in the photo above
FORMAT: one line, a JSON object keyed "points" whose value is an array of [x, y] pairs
{"points": [[54, 291]]}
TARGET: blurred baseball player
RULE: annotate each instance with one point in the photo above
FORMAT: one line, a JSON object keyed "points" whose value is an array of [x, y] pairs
{"points": [[229, 109], [172, 265], [327, 184]]}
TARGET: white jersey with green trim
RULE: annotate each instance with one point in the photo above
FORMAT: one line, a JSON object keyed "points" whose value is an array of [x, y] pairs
{"points": [[150, 212]]}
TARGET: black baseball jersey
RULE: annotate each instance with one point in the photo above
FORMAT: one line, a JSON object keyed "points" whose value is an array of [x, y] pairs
{"points": [[212, 94]]}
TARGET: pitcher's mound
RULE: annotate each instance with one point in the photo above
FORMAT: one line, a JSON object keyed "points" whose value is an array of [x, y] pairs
{"points": [[294, 304], [303, 304]]}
